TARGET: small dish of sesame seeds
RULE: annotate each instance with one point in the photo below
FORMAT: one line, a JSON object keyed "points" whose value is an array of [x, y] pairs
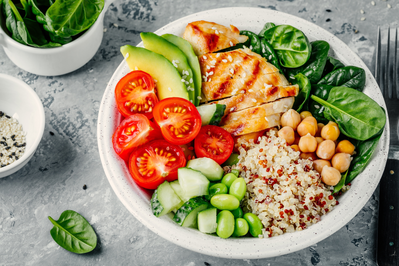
{"points": [[22, 123]]}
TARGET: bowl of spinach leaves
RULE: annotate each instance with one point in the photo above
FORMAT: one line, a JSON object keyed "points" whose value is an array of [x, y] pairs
{"points": [[51, 37]]}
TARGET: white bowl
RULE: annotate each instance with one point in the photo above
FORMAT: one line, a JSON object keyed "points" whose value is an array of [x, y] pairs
{"points": [[20, 101], [59, 60], [137, 200]]}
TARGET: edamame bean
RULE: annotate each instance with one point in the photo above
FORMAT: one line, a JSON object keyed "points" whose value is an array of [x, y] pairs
{"points": [[255, 225], [238, 188], [225, 227], [225, 202], [218, 188], [241, 227], [238, 213], [235, 172], [229, 179]]}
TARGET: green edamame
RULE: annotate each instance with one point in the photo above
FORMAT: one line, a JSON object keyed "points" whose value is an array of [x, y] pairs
{"points": [[235, 172], [225, 202], [229, 179], [255, 225], [218, 188], [241, 227], [238, 213], [225, 224], [238, 188]]}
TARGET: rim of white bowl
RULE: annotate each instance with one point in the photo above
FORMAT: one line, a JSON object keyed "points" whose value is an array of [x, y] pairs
{"points": [[40, 126]]}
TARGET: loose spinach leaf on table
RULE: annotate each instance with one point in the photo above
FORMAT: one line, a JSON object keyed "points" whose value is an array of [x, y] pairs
{"points": [[268, 52], [304, 91], [267, 26], [331, 65], [291, 45], [72, 232], [357, 115], [341, 182], [254, 41], [313, 68]]}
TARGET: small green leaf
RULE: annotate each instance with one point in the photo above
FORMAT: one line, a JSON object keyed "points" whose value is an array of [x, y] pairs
{"points": [[341, 182], [304, 91], [72, 232]]}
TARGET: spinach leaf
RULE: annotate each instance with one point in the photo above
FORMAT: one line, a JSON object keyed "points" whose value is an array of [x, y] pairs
{"points": [[349, 76], [364, 152], [72, 232], [291, 45], [341, 182], [357, 115], [267, 26], [322, 91], [268, 52], [71, 17], [331, 65], [313, 68], [304, 91], [254, 41], [12, 16]]}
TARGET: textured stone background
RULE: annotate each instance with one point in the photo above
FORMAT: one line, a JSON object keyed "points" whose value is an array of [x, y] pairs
{"points": [[52, 181]]}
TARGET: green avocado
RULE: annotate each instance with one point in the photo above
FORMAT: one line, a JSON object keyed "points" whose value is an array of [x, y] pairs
{"points": [[192, 58], [159, 45], [168, 79]]}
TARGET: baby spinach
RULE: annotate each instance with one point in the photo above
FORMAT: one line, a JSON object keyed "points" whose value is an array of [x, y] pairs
{"points": [[72, 232], [349, 76], [341, 182], [291, 45], [267, 26], [313, 68], [268, 52], [71, 17], [322, 91], [331, 65], [254, 41], [304, 91], [357, 115]]}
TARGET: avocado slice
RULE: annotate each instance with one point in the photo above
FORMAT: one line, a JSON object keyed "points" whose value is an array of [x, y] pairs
{"points": [[192, 58], [168, 79], [159, 45]]}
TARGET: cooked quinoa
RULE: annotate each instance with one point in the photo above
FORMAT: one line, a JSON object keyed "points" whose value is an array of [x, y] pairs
{"points": [[12, 140], [283, 190]]}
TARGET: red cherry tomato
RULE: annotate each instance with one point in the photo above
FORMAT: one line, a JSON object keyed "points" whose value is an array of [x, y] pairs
{"points": [[179, 120], [154, 162], [133, 131], [135, 93], [214, 142]]}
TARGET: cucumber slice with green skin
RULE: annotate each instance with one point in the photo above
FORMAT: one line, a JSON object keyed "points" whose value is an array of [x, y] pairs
{"points": [[193, 183], [192, 58], [233, 159], [211, 169], [207, 222], [211, 114], [164, 200], [186, 215], [161, 46], [177, 188]]}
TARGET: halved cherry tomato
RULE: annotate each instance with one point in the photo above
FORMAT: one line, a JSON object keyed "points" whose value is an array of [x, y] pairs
{"points": [[133, 131], [214, 142], [135, 93], [178, 118], [154, 162]]}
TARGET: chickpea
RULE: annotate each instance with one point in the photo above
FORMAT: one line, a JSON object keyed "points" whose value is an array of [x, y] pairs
{"points": [[290, 118], [308, 143], [345, 146], [308, 125], [330, 131], [319, 164], [326, 149], [305, 114], [319, 140], [288, 134], [341, 161], [295, 147], [319, 128], [330, 176], [308, 155]]}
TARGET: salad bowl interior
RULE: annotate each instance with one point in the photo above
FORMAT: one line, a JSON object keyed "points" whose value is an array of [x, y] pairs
{"points": [[137, 200]]}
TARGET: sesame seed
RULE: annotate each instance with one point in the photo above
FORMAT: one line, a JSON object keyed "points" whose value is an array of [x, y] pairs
{"points": [[213, 62], [199, 97], [373, 3], [209, 80], [270, 57], [211, 73], [169, 89], [221, 32], [204, 57], [389, 6], [105, 30], [217, 55], [214, 28], [232, 109], [231, 43], [361, 11], [231, 71], [250, 47], [191, 80], [266, 119], [126, 56], [136, 68], [208, 67], [182, 80], [216, 32], [363, 18], [317, 106], [254, 100], [242, 81], [244, 75], [116, 25], [250, 90], [242, 91], [230, 58], [224, 61]]}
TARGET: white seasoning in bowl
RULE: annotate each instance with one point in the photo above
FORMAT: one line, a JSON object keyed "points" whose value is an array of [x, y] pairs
{"points": [[12, 140]]}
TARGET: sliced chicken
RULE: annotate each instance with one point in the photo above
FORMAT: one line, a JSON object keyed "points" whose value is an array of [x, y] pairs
{"points": [[256, 118], [207, 37]]}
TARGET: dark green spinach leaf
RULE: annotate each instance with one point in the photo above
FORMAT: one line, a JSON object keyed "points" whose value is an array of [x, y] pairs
{"points": [[291, 45], [341, 182], [331, 65], [267, 26], [11, 20], [254, 41], [349, 76], [313, 68], [357, 115], [72, 232], [322, 91], [304, 91], [268, 52]]}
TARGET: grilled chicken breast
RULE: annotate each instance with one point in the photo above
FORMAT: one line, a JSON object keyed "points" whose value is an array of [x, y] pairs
{"points": [[207, 37]]}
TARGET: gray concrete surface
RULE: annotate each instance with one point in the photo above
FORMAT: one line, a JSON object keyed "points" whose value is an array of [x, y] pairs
{"points": [[52, 181]]}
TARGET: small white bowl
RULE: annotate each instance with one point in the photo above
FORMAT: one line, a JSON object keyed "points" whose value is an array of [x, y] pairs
{"points": [[60, 60], [20, 101]]}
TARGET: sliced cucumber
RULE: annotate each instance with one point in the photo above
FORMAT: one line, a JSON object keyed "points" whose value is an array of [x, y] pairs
{"points": [[211, 169], [192, 182], [207, 221], [211, 114], [187, 214], [177, 188], [164, 200]]}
